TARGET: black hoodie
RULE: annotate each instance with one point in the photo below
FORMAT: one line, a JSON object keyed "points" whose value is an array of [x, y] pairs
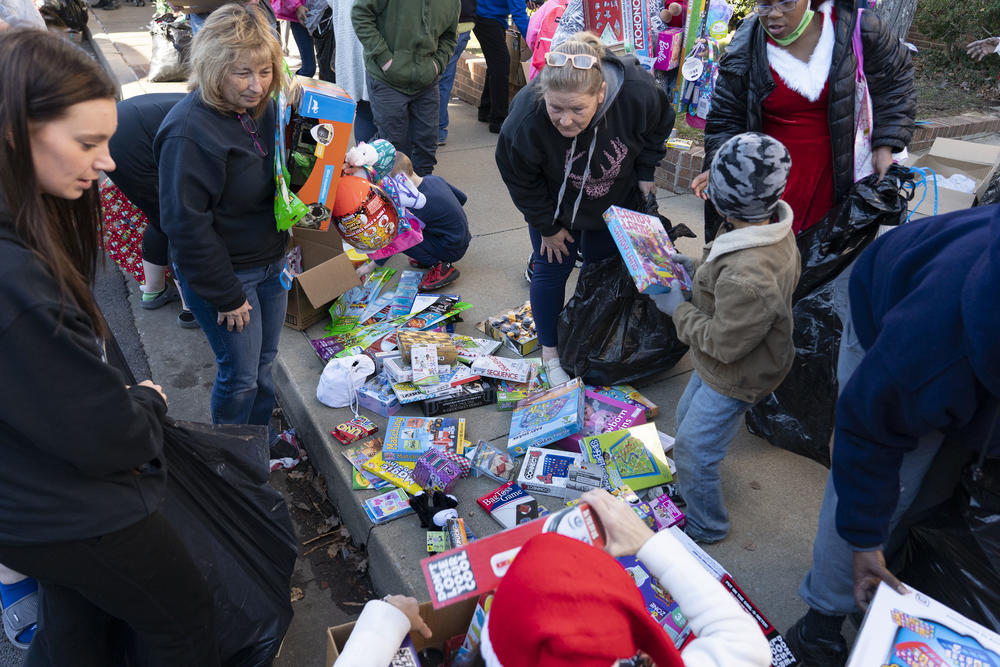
{"points": [[622, 146], [79, 450]]}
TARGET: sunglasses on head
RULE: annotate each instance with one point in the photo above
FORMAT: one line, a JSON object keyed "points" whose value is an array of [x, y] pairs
{"points": [[578, 60]]}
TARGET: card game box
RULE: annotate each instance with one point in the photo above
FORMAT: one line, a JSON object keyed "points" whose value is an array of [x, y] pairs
{"points": [[635, 453], [602, 414], [916, 630], [547, 416], [546, 470], [646, 249], [407, 438], [477, 567], [387, 506]]}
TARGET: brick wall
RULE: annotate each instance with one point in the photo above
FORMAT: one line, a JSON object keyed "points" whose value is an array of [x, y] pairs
{"points": [[469, 77]]}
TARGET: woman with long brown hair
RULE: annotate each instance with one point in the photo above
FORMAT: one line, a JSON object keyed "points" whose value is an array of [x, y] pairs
{"points": [[82, 477]]}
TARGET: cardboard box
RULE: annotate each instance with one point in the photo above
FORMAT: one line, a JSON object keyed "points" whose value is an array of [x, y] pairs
{"points": [[445, 623], [327, 273], [948, 157], [668, 49]]}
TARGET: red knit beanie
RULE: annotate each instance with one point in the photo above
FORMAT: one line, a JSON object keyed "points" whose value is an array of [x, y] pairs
{"points": [[566, 603]]}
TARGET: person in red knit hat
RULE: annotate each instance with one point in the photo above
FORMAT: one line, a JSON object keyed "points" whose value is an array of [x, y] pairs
{"points": [[564, 603]]}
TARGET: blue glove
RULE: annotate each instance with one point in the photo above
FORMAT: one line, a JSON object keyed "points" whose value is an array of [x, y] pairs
{"points": [[686, 262], [668, 301]]}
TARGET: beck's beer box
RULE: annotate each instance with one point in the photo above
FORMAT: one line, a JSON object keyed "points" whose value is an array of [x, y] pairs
{"points": [[475, 568], [646, 249]]}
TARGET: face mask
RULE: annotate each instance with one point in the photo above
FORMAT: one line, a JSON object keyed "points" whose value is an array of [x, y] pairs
{"points": [[803, 24]]}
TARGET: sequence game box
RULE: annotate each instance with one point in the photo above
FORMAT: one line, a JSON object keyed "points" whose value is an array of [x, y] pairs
{"points": [[547, 416]]}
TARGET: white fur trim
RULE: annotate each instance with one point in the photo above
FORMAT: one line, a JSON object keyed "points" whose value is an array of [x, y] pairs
{"points": [[486, 646], [807, 79], [753, 237]]}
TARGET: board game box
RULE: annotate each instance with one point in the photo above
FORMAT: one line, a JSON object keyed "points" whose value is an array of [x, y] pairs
{"points": [[547, 416], [510, 505], [407, 438], [463, 397], [914, 630], [398, 473], [470, 348], [388, 506], [515, 370], [377, 395], [546, 470], [602, 414], [477, 567], [659, 603], [646, 249], [635, 453], [626, 393], [509, 393]]}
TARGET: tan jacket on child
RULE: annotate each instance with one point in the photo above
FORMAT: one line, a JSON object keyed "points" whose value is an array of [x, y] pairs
{"points": [[739, 320]]}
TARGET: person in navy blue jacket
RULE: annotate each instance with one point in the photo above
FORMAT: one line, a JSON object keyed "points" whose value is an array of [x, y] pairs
{"points": [[924, 312], [492, 20]]}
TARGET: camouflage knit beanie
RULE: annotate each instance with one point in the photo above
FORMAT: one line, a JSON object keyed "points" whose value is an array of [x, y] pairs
{"points": [[748, 176]]}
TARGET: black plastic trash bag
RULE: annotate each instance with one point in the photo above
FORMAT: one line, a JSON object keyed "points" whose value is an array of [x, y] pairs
{"points": [[611, 334], [799, 414], [71, 13], [170, 59], [954, 557], [238, 531]]}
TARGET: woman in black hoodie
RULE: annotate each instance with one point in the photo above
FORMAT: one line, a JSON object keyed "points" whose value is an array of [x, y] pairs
{"points": [[81, 480], [586, 134]]}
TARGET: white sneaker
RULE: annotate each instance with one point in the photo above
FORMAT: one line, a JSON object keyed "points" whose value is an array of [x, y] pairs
{"points": [[554, 372]]}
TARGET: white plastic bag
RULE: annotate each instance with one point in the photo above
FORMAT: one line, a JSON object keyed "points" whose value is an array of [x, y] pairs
{"points": [[341, 379]]}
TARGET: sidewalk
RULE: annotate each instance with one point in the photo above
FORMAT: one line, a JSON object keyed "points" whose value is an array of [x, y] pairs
{"points": [[773, 496]]}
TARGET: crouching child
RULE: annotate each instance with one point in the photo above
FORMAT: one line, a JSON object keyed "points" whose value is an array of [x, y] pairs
{"points": [[738, 322]]}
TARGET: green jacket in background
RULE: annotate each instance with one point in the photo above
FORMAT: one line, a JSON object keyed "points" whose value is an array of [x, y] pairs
{"points": [[739, 320], [419, 37]]}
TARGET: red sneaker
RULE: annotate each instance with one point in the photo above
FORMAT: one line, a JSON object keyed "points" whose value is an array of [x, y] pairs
{"points": [[417, 265], [441, 274]]}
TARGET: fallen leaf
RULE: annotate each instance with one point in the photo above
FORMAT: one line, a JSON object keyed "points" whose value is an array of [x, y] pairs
{"points": [[297, 594], [755, 485], [749, 546]]}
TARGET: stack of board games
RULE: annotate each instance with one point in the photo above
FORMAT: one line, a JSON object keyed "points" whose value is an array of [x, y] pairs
{"points": [[546, 470], [646, 249], [914, 630], [509, 393], [547, 416], [359, 455], [635, 454], [477, 567], [602, 414], [407, 438]]}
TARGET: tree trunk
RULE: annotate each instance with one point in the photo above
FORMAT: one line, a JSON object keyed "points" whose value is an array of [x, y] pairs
{"points": [[898, 15]]}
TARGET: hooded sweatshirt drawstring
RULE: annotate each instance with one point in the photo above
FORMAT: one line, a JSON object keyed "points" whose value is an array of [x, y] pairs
{"points": [[583, 182]]}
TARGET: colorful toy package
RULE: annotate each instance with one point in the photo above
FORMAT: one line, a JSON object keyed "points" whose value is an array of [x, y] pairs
{"points": [[424, 365], [492, 462], [510, 505], [626, 393], [397, 473], [376, 395], [515, 370], [360, 454], [407, 438], [646, 249], [914, 630], [602, 414], [436, 471], [406, 292], [388, 506], [515, 329], [447, 354], [547, 416], [477, 567], [659, 603], [635, 453], [666, 513], [546, 470], [509, 393], [470, 348]]}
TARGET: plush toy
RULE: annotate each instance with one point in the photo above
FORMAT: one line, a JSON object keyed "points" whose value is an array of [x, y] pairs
{"points": [[379, 155], [434, 509], [671, 12]]}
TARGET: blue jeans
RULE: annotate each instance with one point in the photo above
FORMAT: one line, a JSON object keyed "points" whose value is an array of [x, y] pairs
{"points": [[446, 83], [548, 284], [829, 586], [243, 392], [707, 422], [304, 42]]}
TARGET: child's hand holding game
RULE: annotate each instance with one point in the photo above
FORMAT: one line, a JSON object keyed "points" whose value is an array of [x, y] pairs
{"points": [[624, 532]]}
